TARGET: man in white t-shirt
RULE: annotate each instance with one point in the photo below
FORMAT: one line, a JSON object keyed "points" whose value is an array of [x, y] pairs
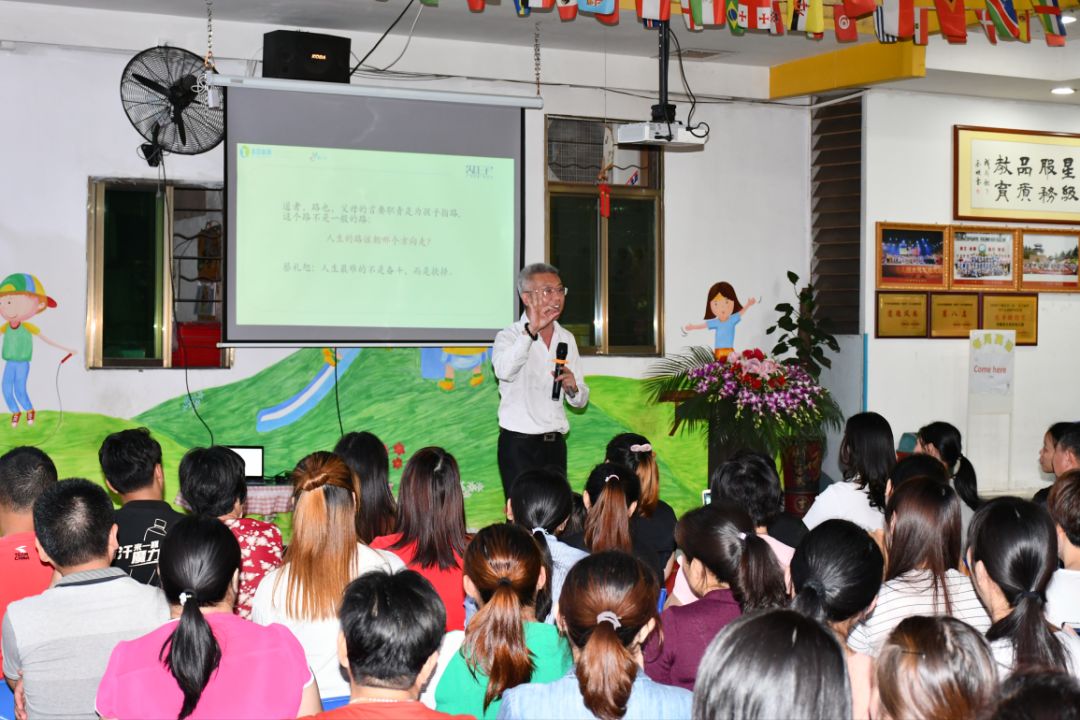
{"points": [[532, 420], [1063, 593]]}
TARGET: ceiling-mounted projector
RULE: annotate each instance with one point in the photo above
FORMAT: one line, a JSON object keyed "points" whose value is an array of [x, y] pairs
{"points": [[663, 129]]}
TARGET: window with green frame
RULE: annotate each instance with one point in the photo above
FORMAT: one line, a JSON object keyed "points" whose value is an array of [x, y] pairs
{"points": [[604, 220]]}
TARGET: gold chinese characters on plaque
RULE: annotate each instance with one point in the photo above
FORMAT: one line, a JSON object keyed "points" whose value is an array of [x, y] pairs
{"points": [[1012, 312], [953, 315], [901, 315]]}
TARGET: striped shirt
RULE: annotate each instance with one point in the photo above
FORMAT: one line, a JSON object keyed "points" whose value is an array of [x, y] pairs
{"points": [[912, 594]]}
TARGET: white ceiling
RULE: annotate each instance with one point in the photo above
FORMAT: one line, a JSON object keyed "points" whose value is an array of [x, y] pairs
{"points": [[1008, 70]]}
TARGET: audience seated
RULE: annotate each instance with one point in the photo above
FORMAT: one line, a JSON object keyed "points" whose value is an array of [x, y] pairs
{"points": [[366, 456], [208, 663], [756, 669], [922, 537], [212, 482], [430, 537], [131, 463], [836, 574], [750, 483], [304, 594], [1067, 450], [653, 522], [916, 465], [1012, 553], [942, 441], [1042, 695], [730, 569], [59, 642], [391, 627], [541, 501], [1046, 456], [503, 645], [932, 668], [1063, 593], [867, 456], [607, 609], [576, 524]]}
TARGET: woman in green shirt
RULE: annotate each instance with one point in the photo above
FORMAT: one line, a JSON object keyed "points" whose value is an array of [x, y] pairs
{"points": [[504, 645]]}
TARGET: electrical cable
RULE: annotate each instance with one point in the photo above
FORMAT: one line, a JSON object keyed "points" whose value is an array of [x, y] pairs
{"points": [[382, 37], [408, 40], [690, 126], [337, 399]]}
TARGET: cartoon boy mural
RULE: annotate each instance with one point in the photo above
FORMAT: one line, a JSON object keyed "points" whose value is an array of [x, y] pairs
{"points": [[723, 312], [22, 296]]}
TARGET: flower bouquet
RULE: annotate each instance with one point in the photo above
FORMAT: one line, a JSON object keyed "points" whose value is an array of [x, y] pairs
{"points": [[746, 401]]}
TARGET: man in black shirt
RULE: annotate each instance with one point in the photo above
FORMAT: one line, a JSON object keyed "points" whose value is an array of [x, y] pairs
{"points": [[131, 462]]}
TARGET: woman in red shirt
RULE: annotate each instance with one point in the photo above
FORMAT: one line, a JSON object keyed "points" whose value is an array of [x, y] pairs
{"points": [[430, 536]]}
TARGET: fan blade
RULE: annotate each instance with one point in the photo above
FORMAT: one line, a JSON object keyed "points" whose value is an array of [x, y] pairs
{"points": [[178, 119], [155, 86]]}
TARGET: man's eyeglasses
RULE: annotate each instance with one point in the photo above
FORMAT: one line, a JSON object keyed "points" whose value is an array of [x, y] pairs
{"points": [[549, 292]]}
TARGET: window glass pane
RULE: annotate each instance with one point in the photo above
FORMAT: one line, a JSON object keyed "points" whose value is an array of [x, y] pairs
{"points": [[632, 273], [574, 230], [132, 276]]}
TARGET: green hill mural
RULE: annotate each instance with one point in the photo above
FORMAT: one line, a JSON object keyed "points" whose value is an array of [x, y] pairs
{"points": [[289, 408]]}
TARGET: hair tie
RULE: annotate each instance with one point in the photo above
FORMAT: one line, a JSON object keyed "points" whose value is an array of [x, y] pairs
{"points": [[609, 617], [611, 477], [540, 529], [644, 447], [742, 535], [505, 581], [187, 595], [1031, 594]]}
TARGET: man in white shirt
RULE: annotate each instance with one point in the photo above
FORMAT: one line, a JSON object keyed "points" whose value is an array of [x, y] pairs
{"points": [[533, 426]]}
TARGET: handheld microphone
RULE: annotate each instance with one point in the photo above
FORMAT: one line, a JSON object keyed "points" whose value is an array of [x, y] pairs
{"points": [[560, 360]]}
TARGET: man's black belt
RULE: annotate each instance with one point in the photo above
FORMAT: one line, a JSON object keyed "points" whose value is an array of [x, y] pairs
{"points": [[545, 437]]}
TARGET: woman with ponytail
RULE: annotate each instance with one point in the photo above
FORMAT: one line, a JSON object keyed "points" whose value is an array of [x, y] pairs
{"points": [[836, 574], [504, 646], [541, 501], [1012, 553], [942, 441], [207, 663], [304, 594], [731, 570], [607, 609], [653, 523]]}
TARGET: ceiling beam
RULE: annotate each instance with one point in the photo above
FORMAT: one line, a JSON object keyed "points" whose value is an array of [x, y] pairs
{"points": [[851, 66]]}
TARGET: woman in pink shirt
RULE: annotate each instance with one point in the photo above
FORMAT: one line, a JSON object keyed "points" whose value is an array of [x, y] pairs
{"points": [[206, 662]]}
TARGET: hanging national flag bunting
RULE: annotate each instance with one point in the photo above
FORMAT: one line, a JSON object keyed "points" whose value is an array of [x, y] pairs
{"points": [[599, 7], [731, 10], [899, 17], [777, 19], [986, 21], [857, 8], [922, 26], [430, 3], [951, 19], [844, 25], [611, 18], [521, 6], [567, 9], [1049, 15], [476, 5], [879, 27], [542, 4], [806, 16], [755, 14], [653, 9], [1023, 24], [688, 16], [1003, 15], [713, 12]]}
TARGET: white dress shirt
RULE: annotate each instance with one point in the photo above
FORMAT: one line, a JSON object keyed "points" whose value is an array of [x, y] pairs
{"points": [[523, 367]]}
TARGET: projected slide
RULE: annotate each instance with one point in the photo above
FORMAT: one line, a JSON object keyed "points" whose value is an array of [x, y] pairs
{"points": [[369, 238]]}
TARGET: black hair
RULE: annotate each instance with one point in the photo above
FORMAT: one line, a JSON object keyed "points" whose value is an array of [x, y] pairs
{"points": [[836, 572], [918, 465], [366, 455], [612, 489], [392, 624], [542, 499], [620, 450], [1017, 544], [756, 668], [946, 439], [72, 521], [25, 472], [198, 560], [748, 481], [722, 538], [128, 458], [575, 525], [1070, 440], [1040, 695], [868, 453], [1058, 430], [212, 480]]}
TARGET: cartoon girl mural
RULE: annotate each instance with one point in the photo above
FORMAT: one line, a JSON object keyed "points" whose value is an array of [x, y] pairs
{"points": [[22, 296], [723, 312]]}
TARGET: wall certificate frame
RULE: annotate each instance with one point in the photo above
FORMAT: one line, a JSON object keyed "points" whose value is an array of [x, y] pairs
{"points": [[1049, 260], [1014, 311], [982, 258], [1015, 175], [901, 315], [953, 315], [912, 257]]}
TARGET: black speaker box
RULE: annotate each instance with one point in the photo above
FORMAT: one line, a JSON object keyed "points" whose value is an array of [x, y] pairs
{"points": [[298, 55]]}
